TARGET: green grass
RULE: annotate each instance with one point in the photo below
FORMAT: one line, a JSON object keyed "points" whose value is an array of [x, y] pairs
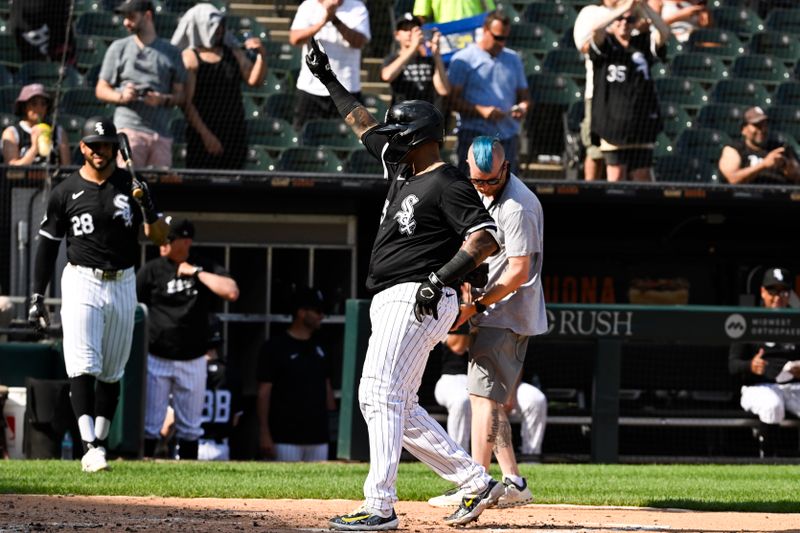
{"points": [[764, 488]]}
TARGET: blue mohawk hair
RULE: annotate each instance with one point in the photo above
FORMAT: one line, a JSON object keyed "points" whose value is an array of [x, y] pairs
{"points": [[482, 148]]}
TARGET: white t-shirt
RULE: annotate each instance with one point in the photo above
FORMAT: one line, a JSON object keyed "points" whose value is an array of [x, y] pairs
{"points": [[682, 28], [345, 60], [581, 33]]}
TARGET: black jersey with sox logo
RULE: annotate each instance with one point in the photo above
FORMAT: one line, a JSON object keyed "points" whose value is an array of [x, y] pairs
{"points": [[425, 220], [101, 222]]}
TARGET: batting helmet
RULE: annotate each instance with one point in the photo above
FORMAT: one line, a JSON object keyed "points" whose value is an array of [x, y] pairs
{"points": [[100, 130], [410, 124]]}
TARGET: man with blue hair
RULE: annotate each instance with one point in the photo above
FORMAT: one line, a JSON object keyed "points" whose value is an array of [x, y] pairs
{"points": [[505, 312]]}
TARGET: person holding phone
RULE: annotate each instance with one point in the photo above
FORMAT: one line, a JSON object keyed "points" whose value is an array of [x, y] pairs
{"points": [[683, 16]]}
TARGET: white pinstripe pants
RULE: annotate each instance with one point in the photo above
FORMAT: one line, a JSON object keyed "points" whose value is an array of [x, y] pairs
{"points": [[97, 318], [396, 356], [186, 381]]}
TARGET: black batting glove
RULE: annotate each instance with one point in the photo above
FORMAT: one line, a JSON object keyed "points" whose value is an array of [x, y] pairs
{"points": [[428, 296], [146, 204], [38, 317], [318, 63]]}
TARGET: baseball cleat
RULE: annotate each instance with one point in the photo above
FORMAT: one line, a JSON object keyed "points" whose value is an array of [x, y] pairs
{"points": [[451, 498], [514, 494], [364, 520], [472, 505], [94, 460]]}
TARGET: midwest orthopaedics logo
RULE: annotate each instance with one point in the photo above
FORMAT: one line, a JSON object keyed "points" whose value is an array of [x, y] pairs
{"points": [[735, 326]]}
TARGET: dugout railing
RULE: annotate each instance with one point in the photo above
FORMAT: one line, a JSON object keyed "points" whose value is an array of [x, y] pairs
{"points": [[609, 328]]}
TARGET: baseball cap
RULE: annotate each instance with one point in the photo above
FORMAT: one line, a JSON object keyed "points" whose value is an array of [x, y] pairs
{"points": [[308, 298], [407, 21], [777, 277], [28, 92], [754, 115], [179, 228], [130, 6], [100, 130]]}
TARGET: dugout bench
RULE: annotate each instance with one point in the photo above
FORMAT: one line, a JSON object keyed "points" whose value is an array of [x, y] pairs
{"points": [[608, 328]]}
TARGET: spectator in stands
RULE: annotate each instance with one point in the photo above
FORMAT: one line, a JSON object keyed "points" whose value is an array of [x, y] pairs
{"points": [[29, 141], [40, 30], [582, 35], [143, 75], [215, 67], [625, 110], [771, 371], [342, 29], [682, 16], [416, 71], [447, 10], [294, 390], [489, 90], [757, 157]]}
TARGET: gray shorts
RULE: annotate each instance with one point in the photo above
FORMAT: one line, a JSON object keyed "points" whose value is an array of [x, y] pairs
{"points": [[496, 357]]}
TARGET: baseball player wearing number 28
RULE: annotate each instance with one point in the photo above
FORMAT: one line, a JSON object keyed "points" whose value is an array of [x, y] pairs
{"points": [[95, 209], [433, 231]]}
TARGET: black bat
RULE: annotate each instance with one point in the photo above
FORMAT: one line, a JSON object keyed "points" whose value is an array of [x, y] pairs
{"points": [[125, 148]]}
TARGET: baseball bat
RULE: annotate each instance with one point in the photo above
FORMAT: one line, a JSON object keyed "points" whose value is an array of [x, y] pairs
{"points": [[125, 149]]}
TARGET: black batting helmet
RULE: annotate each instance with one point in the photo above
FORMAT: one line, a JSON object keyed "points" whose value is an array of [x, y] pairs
{"points": [[410, 124], [100, 130]]}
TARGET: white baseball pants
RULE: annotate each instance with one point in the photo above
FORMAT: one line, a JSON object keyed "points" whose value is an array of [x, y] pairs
{"points": [[186, 382], [770, 401]]}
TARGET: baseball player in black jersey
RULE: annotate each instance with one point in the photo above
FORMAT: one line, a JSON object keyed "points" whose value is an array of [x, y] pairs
{"points": [[433, 231], [94, 208], [179, 288]]}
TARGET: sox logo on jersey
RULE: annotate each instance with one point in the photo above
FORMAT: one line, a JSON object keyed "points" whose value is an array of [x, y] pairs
{"points": [[122, 203], [405, 217]]}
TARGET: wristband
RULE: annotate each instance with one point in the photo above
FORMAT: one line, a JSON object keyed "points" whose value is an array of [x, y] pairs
{"points": [[479, 307], [197, 271]]}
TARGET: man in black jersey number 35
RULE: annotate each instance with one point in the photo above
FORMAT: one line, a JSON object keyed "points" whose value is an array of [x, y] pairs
{"points": [[433, 231], [95, 209]]}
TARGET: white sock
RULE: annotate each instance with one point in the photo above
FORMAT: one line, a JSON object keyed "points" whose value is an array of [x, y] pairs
{"points": [[101, 427], [86, 427], [518, 481]]}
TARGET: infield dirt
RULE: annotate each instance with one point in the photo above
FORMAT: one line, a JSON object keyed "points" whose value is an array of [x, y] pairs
{"points": [[85, 513]]}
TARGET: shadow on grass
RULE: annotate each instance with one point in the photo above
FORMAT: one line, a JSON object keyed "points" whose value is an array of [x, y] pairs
{"points": [[742, 506]]}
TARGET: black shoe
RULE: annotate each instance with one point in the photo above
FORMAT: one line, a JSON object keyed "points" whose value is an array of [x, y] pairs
{"points": [[472, 505], [363, 520]]}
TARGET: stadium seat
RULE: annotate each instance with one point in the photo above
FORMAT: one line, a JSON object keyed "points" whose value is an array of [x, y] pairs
{"points": [[362, 162], [702, 143], [788, 93], [91, 51], [566, 61], [82, 101], [103, 25], [551, 95], [664, 146], [375, 105], [674, 47], [165, 24], [330, 133], [91, 76], [47, 73], [785, 119], [7, 119], [742, 21], [280, 105], [73, 126], [307, 159], [531, 38], [784, 21], [258, 159], [251, 108], [676, 119], [532, 64], [84, 6], [660, 70], [508, 8], [783, 46], [244, 27], [760, 68], [786, 140], [704, 68], [723, 117], [272, 133], [682, 91], [553, 89], [9, 54], [743, 92], [558, 17], [283, 56], [178, 155], [271, 85], [722, 43], [679, 168], [6, 78], [177, 127], [8, 96]]}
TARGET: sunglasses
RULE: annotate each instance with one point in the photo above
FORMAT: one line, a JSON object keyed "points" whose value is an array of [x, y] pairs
{"points": [[777, 291], [630, 19], [500, 38], [491, 181]]}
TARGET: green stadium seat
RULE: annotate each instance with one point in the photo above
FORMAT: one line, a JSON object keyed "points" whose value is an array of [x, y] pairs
{"points": [[177, 127], [272, 133], [165, 24], [676, 119], [784, 21], [362, 162], [532, 64], [785, 119], [788, 93], [508, 8], [7, 119], [557, 17], [251, 108], [47, 74], [704, 68], [178, 155], [760, 68], [375, 105], [682, 91], [664, 146], [73, 126], [84, 6], [91, 76], [554, 89], [531, 38], [258, 159], [678, 168], [674, 47], [551, 94], [722, 43], [742, 21], [330, 133], [82, 101], [660, 70], [742, 92], [785, 139], [283, 56], [8, 95], [244, 27], [728, 3], [91, 51], [566, 61], [782, 46], [702, 143], [272, 84], [9, 54], [575, 114], [103, 25], [723, 117], [280, 105], [307, 159], [6, 78]]}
